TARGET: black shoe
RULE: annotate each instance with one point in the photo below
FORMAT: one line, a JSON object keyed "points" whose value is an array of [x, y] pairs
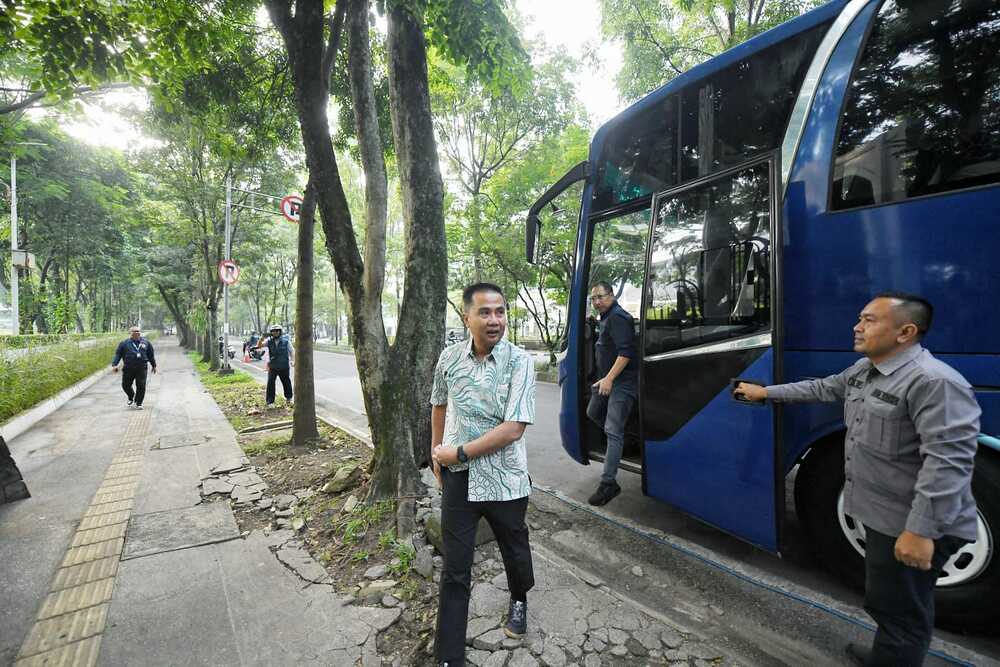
{"points": [[517, 620], [605, 492], [858, 654], [130, 402]]}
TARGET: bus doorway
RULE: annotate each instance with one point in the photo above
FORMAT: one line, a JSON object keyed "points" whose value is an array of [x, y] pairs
{"points": [[617, 257]]}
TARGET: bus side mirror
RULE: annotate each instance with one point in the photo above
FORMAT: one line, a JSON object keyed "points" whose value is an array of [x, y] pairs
{"points": [[532, 229]]}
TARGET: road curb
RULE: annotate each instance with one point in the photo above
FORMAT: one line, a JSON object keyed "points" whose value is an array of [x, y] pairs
{"points": [[17, 425]]}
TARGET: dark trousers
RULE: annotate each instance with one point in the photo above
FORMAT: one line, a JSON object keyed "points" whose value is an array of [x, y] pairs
{"points": [[901, 599], [286, 384], [135, 374], [611, 413], [459, 520]]}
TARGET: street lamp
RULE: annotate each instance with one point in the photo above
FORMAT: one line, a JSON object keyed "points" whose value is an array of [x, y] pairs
{"points": [[14, 302]]}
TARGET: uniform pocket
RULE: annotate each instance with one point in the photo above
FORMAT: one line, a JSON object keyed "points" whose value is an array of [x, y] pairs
{"points": [[882, 429]]}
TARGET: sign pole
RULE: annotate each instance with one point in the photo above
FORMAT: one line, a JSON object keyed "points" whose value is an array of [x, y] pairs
{"points": [[14, 297], [226, 369]]}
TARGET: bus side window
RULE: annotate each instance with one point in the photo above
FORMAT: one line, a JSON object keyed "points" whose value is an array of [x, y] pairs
{"points": [[921, 112]]}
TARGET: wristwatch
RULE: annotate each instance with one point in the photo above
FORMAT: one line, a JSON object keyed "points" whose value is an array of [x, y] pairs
{"points": [[462, 456]]}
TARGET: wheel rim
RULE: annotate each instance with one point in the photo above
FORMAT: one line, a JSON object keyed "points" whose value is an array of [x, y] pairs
{"points": [[968, 563]]}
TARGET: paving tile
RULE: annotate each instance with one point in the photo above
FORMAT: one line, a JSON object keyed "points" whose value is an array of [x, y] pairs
{"points": [[67, 629], [78, 597]]}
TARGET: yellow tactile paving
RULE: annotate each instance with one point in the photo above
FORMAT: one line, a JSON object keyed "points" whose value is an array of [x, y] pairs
{"points": [[77, 555], [85, 573], [68, 628], [78, 597], [114, 496], [106, 519], [79, 654], [107, 508], [102, 534]]}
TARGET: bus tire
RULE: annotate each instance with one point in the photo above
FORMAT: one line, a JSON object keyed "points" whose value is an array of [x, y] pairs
{"points": [[968, 606], [971, 606], [818, 484]]}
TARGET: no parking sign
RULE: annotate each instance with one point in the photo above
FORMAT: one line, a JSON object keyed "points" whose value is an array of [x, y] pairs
{"points": [[229, 271], [291, 206]]}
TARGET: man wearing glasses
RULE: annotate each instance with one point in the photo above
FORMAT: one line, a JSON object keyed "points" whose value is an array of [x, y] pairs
{"points": [[615, 392]]}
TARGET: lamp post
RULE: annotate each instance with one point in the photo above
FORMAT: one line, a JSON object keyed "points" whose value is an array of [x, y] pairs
{"points": [[14, 296]]}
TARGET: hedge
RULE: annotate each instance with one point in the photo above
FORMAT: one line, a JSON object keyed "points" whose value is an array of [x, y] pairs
{"points": [[28, 379]]}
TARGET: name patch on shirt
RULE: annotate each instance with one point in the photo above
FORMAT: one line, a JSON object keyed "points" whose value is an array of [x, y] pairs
{"points": [[854, 382], [888, 398]]}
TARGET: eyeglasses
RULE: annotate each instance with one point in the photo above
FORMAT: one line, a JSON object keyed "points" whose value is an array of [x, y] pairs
{"points": [[598, 297]]}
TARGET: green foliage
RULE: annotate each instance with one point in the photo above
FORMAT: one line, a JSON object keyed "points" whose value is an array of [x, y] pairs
{"points": [[23, 341], [664, 38], [28, 379], [403, 556], [355, 525]]}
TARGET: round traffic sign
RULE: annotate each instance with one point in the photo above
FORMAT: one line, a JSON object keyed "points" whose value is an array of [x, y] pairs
{"points": [[229, 271], [290, 207]]}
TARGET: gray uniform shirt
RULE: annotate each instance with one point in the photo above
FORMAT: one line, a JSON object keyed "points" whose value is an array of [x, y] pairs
{"points": [[912, 427]]}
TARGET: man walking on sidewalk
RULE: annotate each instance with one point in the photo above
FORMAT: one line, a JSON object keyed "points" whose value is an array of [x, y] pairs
{"points": [[912, 427], [280, 360], [614, 394], [134, 352], [482, 401]]}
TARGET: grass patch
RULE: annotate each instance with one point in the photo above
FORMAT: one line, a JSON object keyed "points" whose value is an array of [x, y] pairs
{"points": [[264, 445], [355, 525], [27, 379], [211, 378]]}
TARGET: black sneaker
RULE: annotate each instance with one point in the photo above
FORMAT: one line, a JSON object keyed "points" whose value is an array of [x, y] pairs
{"points": [[517, 620], [139, 407], [130, 402], [605, 492]]}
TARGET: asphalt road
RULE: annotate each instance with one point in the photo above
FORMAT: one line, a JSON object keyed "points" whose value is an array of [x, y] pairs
{"points": [[337, 382]]}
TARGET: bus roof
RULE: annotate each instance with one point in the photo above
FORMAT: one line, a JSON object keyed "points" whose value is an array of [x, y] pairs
{"points": [[826, 12]]}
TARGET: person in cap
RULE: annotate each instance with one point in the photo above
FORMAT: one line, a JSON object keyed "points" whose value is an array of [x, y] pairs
{"points": [[134, 353], [280, 361]]}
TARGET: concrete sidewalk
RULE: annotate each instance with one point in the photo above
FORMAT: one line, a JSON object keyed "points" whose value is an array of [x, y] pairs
{"points": [[117, 559]]}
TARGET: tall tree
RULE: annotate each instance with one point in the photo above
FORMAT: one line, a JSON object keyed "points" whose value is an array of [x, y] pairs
{"points": [[399, 374], [664, 38]]}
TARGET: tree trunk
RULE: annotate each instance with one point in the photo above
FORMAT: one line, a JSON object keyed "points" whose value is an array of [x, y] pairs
{"points": [[392, 380], [420, 331], [304, 414]]}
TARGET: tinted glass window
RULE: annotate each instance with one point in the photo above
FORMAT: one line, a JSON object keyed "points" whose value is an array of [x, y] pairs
{"points": [[639, 157], [709, 275], [719, 122], [922, 114], [743, 110], [618, 255]]}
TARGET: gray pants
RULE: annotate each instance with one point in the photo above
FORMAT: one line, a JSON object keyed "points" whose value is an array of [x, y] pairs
{"points": [[611, 413]]}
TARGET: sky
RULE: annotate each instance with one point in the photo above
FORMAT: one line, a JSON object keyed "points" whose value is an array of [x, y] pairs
{"points": [[573, 24]]}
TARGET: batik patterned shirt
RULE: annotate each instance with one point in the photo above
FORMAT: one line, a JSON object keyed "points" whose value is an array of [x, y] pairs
{"points": [[481, 395]]}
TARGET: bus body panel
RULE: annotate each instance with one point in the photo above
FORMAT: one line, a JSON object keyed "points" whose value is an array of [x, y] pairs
{"points": [[930, 245], [704, 469]]}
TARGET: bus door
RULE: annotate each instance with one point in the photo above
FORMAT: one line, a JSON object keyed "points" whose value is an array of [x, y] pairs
{"points": [[617, 257], [709, 314]]}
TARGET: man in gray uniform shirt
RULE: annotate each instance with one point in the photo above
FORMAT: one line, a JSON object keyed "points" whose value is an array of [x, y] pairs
{"points": [[912, 424]]}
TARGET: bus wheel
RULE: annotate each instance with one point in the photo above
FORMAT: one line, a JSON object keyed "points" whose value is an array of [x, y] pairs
{"points": [[971, 578], [836, 539]]}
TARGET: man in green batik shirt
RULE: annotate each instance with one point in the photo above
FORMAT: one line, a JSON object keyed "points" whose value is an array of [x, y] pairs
{"points": [[483, 398]]}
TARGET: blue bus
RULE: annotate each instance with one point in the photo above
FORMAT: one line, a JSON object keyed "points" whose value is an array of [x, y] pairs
{"points": [[746, 211]]}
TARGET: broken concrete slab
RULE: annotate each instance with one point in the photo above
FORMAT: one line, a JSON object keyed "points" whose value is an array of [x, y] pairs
{"points": [[299, 561], [213, 485], [179, 529]]}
